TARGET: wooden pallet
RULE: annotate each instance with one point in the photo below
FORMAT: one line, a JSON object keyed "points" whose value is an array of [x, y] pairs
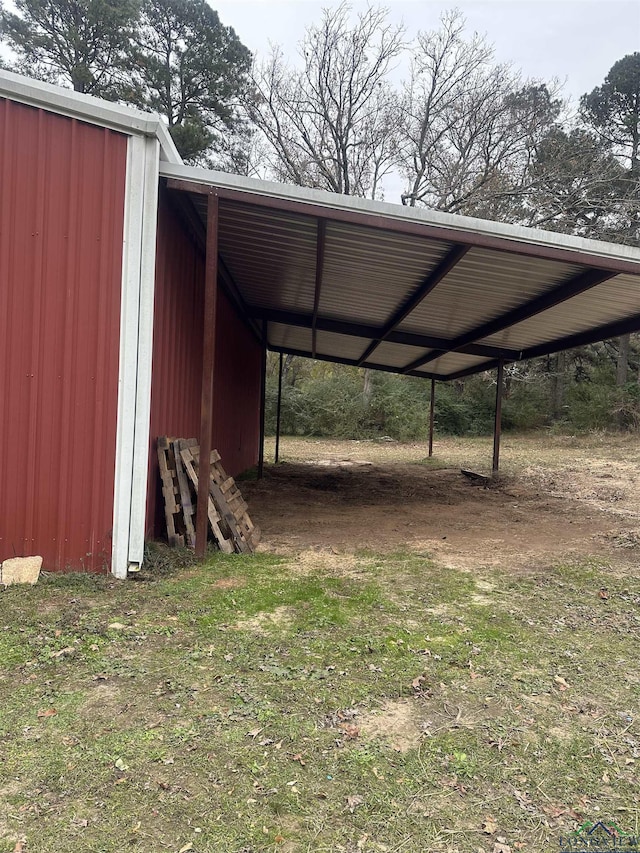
{"points": [[227, 511], [229, 502], [221, 535], [170, 490]]}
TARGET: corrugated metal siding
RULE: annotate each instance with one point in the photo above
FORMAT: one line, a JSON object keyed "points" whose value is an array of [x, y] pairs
{"points": [[61, 230], [236, 390], [177, 361]]}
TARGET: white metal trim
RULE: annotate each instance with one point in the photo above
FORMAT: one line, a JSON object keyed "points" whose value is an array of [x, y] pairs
{"points": [[144, 355], [128, 369]]}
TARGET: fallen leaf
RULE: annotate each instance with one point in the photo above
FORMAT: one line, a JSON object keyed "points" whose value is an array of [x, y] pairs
{"points": [[603, 593], [554, 811], [254, 733], [298, 757], [501, 846], [349, 730], [489, 825], [116, 626], [188, 846], [19, 848], [279, 839], [119, 764], [522, 798], [68, 651], [560, 681], [353, 801], [46, 712], [417, 682]]}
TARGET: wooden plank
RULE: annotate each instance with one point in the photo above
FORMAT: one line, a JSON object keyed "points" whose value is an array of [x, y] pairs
{"points": [[185, 495], [189, 463], [171, 506]]}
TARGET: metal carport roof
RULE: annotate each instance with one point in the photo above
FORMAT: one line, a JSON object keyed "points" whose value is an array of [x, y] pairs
{"points": [[410, 291]]}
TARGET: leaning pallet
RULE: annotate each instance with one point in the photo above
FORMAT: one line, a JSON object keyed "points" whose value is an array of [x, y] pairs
{"points": [[170, 490], [221, 536], [232, 528], [229, 502]]}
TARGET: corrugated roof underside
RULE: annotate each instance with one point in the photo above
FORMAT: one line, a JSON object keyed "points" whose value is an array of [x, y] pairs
{"points": [[612, 300], [483, 285], [281, 336], [368, 274], [342, 346], [396, 355], [271, 255], [452, 362]]}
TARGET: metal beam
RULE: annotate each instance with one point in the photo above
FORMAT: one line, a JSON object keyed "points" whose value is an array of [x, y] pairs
{"points": [[278, 411], [352, 361], [321, 233], [579, 284], [497, 426], [208, 369], [424, 289], [361, 330]]}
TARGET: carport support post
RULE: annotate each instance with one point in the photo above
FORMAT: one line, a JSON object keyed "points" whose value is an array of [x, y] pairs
{"points": [[497, 429], [263, 396], [431, 416], [208, 367], [278, 410]]}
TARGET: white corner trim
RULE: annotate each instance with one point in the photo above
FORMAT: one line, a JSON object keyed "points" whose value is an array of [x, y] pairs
{"points": [[145, 354], [142, 159]]}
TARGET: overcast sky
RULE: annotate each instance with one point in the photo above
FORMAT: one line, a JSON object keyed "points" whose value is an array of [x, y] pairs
{"points": [[576, 41]]}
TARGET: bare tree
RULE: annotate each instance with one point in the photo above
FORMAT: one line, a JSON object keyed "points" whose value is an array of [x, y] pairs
{"points": [[330, 123], [469, 126]]}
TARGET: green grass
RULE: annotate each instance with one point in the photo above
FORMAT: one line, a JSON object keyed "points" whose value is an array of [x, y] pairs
{"points": [[247, 706]]}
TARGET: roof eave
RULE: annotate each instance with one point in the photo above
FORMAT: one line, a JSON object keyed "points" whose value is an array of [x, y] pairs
{"points": [[614, 256]]}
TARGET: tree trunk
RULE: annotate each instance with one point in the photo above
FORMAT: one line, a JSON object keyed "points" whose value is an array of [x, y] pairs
{"points": [[367, 391], [558, 386], [622, 373], [622, 365]]}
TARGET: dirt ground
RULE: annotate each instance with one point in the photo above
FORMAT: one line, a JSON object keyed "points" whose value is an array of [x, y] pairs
{"points": [[556, 497]]}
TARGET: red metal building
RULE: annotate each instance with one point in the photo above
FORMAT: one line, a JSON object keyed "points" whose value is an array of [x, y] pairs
{"points": [[138, 297], [85, 384]]}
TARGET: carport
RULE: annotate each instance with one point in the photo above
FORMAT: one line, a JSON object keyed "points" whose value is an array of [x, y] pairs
{"points": [[392, 288]]}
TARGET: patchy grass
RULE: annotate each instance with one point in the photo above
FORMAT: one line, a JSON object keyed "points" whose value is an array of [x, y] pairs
{"points": [[248, 705]]}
